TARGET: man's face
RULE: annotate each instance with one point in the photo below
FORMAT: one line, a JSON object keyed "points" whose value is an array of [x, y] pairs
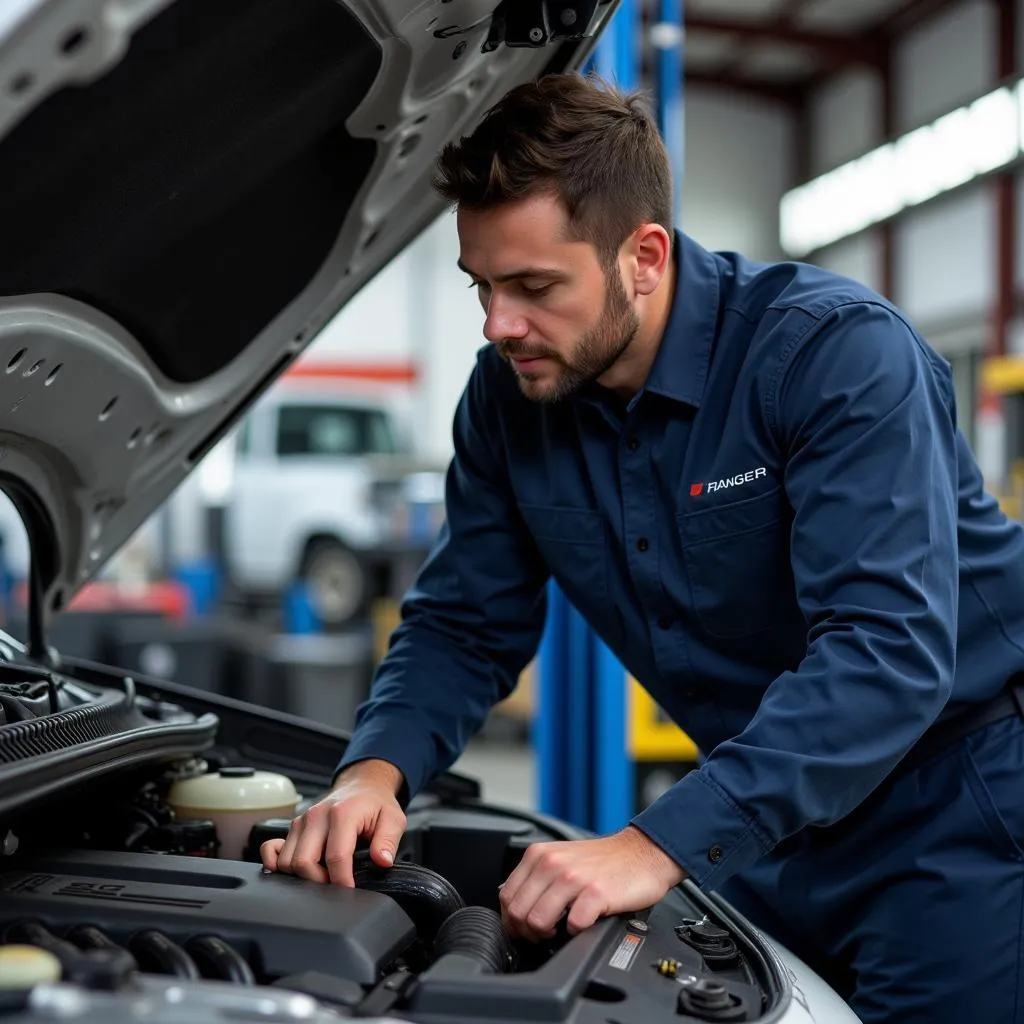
{"points": [[554, 313]]}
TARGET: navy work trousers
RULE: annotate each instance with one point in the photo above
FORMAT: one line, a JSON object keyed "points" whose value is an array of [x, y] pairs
{"points": [[913, 906]]}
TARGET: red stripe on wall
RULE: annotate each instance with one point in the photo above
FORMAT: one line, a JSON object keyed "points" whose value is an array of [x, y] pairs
{"points": [[391, 373]]}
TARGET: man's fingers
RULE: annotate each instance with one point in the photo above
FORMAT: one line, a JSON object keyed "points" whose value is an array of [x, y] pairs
{"points": [[508, 891], [269, 853], [287, 849], [511, 893], [544, 915], [309, 849], [387, 834], [341, 845], [520, 905], [321, 844], [589, 905]]}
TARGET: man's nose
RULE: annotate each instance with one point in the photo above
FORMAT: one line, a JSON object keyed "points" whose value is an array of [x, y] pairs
{"points": [[503, 322]]}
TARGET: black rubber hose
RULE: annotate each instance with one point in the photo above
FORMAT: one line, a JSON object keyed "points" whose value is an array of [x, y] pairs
{"points": [[88, 936], [105, 964], [427, 897], [155, 953], [217, 960], [476, 932]]}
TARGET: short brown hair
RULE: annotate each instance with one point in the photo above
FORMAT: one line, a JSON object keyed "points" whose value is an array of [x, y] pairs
{"points": [[595, 147]]}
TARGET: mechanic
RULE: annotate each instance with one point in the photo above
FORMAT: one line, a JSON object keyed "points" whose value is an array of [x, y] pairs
{"points": [[749, 479]]}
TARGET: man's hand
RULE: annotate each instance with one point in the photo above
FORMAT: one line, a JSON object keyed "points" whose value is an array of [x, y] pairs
{"points": [[363, 802], [593, 877]]}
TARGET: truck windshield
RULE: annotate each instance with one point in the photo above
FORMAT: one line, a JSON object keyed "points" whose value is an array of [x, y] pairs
{"points": [[334, 430]]}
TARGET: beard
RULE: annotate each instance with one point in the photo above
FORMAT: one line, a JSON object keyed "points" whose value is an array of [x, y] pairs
{"points": [[593, 355]]}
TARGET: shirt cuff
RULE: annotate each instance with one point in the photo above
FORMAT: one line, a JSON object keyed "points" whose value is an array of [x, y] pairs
{"points": [[404, 743], [703, 830]]}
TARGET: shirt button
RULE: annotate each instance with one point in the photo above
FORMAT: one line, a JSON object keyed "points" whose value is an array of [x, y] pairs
{"points": [[665, 621], [632, 444], [642, 544], [715, 854]]}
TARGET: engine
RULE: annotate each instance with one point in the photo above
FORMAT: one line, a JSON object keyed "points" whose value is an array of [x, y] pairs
{"points": [[140, 893], [127, 883], [104, 915]]}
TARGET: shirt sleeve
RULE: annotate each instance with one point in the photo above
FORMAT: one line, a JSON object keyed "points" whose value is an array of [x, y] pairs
{"points": [[866, 418], [472, 620]]}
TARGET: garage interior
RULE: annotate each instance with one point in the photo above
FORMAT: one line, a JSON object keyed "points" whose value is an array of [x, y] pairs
{"points": [[773, 110]]}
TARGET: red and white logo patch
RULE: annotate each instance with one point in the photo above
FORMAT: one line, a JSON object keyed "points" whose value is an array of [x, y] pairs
{"points": [[696, 490]]}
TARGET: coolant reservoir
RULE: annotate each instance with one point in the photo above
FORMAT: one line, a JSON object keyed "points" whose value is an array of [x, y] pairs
{"points": [[23, 966], [234, 799]]}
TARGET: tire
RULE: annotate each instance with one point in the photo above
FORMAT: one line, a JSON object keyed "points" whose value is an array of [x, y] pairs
{"points": [[335, 581]]}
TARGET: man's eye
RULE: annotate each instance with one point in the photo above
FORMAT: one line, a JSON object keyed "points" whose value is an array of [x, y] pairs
{"points": [[542, 290], [478, 284]]}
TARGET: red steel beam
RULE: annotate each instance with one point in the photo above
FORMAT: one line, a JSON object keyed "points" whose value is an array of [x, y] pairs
{"points": [[838, 51], [1006, 192], [802, 153], [871, 48], [887, 230], [756, 88], [783, 18], [908, 17]]}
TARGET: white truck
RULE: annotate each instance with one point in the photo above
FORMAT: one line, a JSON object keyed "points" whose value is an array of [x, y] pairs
{"points": [[323, 486], [319, 486]]}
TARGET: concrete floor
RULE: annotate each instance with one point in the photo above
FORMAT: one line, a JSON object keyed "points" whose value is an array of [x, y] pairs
{"points": [[506, 771]]}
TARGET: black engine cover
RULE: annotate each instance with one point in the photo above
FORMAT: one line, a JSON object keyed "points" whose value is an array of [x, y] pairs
{"points": [[280, 924]]}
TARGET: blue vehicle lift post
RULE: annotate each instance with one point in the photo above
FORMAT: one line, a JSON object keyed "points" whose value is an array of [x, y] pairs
{"points": [[584, 769]]}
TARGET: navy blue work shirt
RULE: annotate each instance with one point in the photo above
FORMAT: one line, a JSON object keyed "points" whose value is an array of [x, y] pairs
{"points": [[783, 536]]}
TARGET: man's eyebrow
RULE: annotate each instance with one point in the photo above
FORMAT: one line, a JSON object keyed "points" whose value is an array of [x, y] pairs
{"points": [[516, 275]]}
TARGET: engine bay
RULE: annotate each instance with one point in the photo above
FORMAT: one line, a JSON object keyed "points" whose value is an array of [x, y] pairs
{"points": [[117, 899]]}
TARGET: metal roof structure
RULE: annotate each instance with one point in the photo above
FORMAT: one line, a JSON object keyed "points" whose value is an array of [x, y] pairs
{"points": [[779, 49]]}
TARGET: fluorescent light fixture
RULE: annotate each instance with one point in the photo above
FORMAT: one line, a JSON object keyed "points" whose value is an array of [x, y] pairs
{"points": [[951, 151]]}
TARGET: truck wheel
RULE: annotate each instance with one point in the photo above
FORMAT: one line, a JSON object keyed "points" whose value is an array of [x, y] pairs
{"points": [[334, 580]]}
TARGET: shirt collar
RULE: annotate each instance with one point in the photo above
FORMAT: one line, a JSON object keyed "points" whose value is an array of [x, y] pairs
{"points": [[680, 368]]}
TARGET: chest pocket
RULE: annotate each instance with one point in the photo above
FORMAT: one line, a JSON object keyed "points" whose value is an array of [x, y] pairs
{"points": [[737, 561], [574, 545]]}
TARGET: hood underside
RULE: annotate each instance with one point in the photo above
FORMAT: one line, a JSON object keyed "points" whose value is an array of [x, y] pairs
{"points": [[190, 191]]}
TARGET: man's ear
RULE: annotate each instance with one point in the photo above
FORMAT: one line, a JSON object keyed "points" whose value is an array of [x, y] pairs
{"points": [[649, 251]]}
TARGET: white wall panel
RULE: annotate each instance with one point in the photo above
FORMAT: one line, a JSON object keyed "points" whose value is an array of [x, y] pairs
{"points": [[374, 327], [456, 334], [946, 259], [949, 60], [738, 165], [845, 119], [859, 258]]}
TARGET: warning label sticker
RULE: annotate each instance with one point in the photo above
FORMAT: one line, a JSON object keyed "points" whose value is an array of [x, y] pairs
{"points": [[626, 952]]}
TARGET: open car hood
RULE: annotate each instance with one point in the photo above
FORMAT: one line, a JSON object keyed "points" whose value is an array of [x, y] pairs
{"points": [[189, 191]]}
